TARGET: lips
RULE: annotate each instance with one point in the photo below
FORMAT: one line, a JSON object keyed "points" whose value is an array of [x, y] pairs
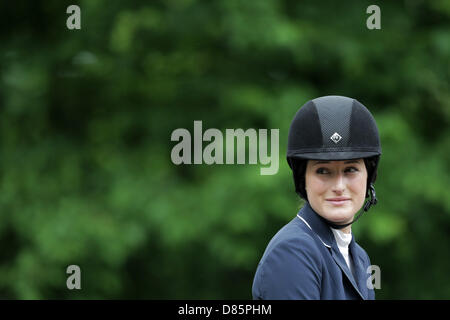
{"points": [[340, 201]]}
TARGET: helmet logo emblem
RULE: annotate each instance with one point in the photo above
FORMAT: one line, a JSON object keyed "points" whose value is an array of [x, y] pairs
{"points": [[336, 137]]}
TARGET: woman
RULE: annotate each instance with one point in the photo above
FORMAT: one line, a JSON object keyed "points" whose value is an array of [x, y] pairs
{"points": [[333, 151]]}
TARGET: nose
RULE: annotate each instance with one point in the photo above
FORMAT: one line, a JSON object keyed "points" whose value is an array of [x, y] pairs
{"points": [[339, 184]]}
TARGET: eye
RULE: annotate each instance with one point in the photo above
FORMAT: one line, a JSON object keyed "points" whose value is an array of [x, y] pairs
{"points": [[351, 169], [322, 171]]}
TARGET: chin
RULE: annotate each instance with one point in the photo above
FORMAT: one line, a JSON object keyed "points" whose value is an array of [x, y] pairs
{"points": [[339, 214]]}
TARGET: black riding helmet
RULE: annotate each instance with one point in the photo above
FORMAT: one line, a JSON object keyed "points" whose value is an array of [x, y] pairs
{"points": [[334, 128]]}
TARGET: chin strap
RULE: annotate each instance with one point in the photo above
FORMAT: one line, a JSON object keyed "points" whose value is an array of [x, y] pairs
{"points": [[371, 202]]}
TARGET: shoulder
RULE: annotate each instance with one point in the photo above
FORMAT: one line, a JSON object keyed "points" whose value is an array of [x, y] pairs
{"points": [[294, 236], [292, 244], [291, 267]]}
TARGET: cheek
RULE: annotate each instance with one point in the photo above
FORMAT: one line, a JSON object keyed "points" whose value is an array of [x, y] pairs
{"points": [[358, 186], [316, 186]]}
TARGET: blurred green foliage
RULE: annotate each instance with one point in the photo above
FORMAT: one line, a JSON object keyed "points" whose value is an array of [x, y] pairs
{"points": [[86, 117]]}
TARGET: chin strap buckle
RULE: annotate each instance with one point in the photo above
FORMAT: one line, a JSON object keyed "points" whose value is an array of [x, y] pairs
{"points": [[373, 198]]}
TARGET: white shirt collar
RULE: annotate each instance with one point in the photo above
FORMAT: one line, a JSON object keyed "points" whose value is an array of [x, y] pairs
{"points": [[342, 239]]}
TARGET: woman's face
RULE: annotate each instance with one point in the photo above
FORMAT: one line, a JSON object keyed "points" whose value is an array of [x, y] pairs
{"points": [[336, 189]]}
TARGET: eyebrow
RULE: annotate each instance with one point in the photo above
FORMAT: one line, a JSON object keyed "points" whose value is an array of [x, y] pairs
{"points": [[346, 162]]}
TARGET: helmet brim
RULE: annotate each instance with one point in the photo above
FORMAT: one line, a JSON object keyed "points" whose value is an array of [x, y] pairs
{"points": [[334, 156]]}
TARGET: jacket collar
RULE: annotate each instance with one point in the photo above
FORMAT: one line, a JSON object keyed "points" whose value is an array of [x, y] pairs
{"points": [[319, 226]]}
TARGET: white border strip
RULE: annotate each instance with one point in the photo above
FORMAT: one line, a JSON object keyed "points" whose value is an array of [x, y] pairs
{"points": [[313, 231]]}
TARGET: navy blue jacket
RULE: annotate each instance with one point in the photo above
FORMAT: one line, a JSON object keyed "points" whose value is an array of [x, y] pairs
{"points": [[303, 261]]}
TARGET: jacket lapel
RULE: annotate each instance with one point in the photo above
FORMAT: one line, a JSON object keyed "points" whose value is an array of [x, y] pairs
{"points": [[339, 259], [360, 271], [323, 231]]}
